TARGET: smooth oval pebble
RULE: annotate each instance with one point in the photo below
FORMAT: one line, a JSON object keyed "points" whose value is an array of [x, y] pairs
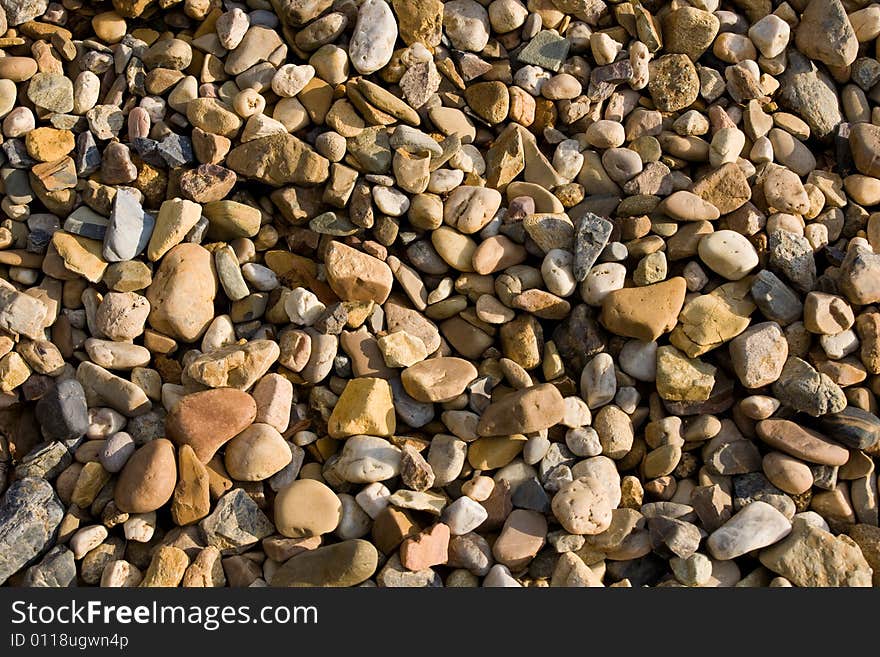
{"points": [[343, 564], [147, 481], [306, 508], [256, 453]]}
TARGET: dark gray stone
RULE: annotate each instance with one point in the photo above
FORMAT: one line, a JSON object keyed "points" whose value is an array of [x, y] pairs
{"points": [[755, 487], [63, 413], [590, 237], [45, 461], [87, 156], [16, 154], [56, 570], [531, 495], [776, 301], [87, 223], [852, 427], [579, 337], [146, 427], [29, 517]]}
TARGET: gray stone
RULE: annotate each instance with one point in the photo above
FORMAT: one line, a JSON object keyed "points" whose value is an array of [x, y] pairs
{"points": [[45, 461], [775, 300], [590, 237], [792, 256], [86, 156], [394, 575], [810, 93], [824, 476], [29, 516], [63, 413], [411, 411], [547, 50], [129, 228], [755, 487], [56, 570], [670, 535], [176, 150], [86, 222], [804, 389], [853, 427], [236, 522], [51, 91], [22, 11], [531, 495]]}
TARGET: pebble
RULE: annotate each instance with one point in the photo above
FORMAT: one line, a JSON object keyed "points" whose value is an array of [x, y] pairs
{"points": [[755, 526], [147, 480], [307, 508]]}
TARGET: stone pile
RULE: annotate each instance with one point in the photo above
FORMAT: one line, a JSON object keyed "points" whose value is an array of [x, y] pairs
{"points": [[426, 293]]}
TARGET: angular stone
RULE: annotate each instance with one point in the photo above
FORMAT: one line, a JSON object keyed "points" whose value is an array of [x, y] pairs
{"points": [[710, 320], [235, 366], [364, 407], [62, 412], [356, 276], [208, 419], [680, 378], [30, 514], [801, 387], [591, 235], [279, 159], [825, 33], [646, 312], [813, 557], [236, 522]]}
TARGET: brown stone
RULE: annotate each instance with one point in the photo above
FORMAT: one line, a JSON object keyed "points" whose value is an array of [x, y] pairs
{"points": [[800, 442], [646, 312], [524, 411], [207, 420], [192, 499], [147, 480]]}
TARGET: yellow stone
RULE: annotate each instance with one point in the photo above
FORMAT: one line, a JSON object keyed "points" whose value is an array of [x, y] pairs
{"points": [[683, 379], [48, 144], [712, 319], [493, 452], [175, 219], [13, 371], [81, 255], [91, 480], [365, 407], [167, 567]]}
